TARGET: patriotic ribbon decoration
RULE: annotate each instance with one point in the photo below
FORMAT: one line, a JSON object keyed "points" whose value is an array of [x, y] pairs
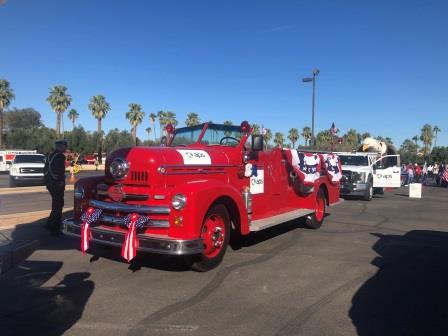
{"points": [[133, 222], [89, 217], [306, 165], [333, 167]]}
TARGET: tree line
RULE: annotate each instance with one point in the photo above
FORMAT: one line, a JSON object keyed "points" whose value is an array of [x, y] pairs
{"points": [[24, 129]]}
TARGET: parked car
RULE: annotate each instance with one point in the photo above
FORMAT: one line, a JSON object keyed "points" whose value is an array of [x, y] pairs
{"points": [[27, 169]]}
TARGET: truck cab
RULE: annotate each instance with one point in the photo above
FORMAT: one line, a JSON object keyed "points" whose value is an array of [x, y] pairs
{"points": [[367, 173], [203, 183]]}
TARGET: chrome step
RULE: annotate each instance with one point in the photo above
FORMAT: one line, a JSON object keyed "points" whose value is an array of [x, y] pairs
{"points": [[261, 224]]}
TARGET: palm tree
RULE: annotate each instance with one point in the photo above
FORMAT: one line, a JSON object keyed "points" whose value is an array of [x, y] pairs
{"points": [[279, 139], [351, 138], [227, 123], [436, 131], [267, 136], [59, 100], [323, 139], [426, 137], [415, 138], [73, 115], [389, 140], [365, 135], [162, 120], [255, 129], [152, 120], [99, 108], [306, 134], [293, 136], [135, 116], [148, 130], [192, 119], [171, 118], [6, 96]]}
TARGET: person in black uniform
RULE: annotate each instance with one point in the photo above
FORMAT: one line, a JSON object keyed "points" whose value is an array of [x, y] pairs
{"points": [[54, 174]]}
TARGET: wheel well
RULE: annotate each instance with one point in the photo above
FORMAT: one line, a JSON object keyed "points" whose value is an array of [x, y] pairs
{"points": [[324, 188], [232, 209]]}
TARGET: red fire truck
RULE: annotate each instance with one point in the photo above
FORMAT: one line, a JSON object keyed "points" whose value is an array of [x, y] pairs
{"points": [[186, 196]]}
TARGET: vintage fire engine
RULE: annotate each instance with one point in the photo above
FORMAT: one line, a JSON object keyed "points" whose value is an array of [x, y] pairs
{"points": [[186, 196]]}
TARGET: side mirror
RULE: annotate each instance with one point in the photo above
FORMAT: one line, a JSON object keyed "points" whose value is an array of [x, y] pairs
{"points": [[257, 143]]}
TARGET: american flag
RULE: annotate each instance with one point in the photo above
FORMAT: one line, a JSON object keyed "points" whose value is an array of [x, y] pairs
{"points": [[89, 217], [334, 130], [129, 248]]}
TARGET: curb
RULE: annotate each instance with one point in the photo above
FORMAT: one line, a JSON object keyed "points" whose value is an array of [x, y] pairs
{"points": [[10, 221], [13, 253], [28, 190]]}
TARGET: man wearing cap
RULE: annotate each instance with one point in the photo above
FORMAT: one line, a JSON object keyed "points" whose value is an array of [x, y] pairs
{"points": [[54, 174]]}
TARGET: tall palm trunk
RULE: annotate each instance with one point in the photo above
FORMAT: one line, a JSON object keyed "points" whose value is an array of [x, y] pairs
{"points": [[1, 125], [154, 128], [134, 135], [100, 150], [58, 123]]}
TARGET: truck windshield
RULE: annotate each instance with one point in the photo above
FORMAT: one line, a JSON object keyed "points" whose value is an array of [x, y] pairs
{"points": [[29, 159], [214, 135], [354, 160]]}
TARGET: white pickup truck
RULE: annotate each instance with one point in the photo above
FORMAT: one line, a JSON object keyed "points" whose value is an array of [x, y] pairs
{"points": [[367, 173], [27, 169]]}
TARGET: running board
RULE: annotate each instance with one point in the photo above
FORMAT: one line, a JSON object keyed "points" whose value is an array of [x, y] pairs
{"points": [[261, 224]]}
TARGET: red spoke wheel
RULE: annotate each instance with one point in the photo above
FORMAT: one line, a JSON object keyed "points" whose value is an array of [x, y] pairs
{"points": [[314, 221], [215, 233]]}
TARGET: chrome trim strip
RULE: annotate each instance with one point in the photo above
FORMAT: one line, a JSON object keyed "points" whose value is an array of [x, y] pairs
{"points": [[147, 243], [183, 166], [120, 221], [196, 172], [122, 207], [133, 197]]}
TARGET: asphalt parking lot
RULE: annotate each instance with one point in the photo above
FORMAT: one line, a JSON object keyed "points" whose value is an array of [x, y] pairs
{"points": [[374, 268]]}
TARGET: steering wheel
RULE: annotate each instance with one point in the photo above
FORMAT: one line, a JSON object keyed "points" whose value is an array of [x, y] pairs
{"points": [[226, 139]]}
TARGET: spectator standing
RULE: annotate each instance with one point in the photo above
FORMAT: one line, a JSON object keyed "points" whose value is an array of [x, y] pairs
{"points": [[424, 173], [430, 170], [410, 178], [54, 175], [96, 163], [417, 173]]}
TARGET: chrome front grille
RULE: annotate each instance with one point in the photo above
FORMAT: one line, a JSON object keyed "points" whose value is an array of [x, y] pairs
{"points": [[114, 213], [114, 220], [129, 208], [30, 170]]}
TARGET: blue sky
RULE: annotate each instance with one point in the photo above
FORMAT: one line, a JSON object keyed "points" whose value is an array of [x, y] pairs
{"points": [[383, 63]]}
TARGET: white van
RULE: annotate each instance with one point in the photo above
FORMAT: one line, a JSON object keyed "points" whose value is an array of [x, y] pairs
{"points": [[7, 157]]}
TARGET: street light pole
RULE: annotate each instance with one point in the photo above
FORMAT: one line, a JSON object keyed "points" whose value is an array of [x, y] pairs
{"points": [[313, 103]]}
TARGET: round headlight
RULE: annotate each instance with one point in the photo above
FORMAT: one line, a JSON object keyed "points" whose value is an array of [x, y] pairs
{"points": [[79, 192], [178, 201], [119, 168]]}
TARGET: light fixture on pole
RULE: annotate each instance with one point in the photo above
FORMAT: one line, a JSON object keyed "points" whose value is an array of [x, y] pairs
{"points": [[306, 80]]}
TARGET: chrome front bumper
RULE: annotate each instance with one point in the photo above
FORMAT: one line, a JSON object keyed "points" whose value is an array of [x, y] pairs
{"points": [[147, 243]]}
